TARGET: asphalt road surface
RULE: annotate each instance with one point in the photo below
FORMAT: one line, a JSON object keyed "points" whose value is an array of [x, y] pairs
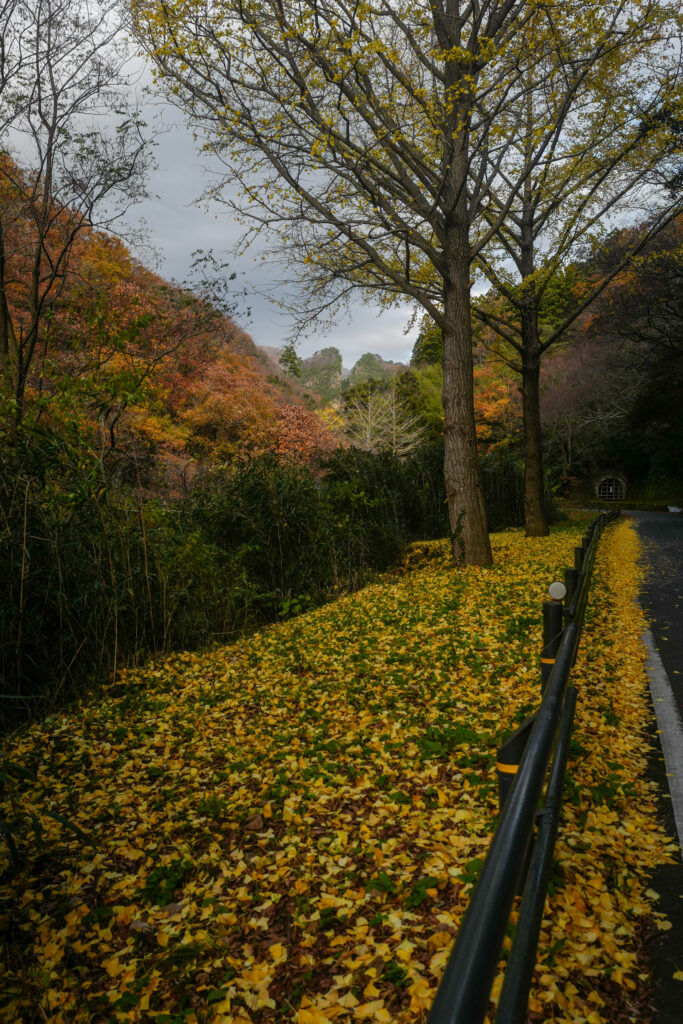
{"points": [[662, 596], [662, 601]]}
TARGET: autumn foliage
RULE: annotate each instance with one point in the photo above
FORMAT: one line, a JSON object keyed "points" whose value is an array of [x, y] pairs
{"points": [[141, 365]]}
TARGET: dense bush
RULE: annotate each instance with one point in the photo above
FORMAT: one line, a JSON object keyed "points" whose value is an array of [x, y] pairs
{"points": [[504, 493], [92, 579], [296, 532], [95, 578]]}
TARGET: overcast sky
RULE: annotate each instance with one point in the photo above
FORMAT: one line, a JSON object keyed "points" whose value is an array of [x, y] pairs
{"points": [[177, 226]]}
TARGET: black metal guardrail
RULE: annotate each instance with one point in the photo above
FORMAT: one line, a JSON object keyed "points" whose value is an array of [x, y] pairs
{"points": [[515, 857]]}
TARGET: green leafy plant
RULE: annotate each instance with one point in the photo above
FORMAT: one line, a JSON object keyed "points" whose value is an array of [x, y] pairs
{"points": [[418, 892], [15, 824], [161, 883]]}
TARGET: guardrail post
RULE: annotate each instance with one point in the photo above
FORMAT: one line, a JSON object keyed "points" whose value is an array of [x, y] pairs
{"points": [[552, 634], [571, 578], [508, 758], [578, 558]]}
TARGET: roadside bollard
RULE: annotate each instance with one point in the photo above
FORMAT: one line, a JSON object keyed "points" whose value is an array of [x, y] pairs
{"points": [[508, 757], [578, 559], [552, 629], [507, 765]]}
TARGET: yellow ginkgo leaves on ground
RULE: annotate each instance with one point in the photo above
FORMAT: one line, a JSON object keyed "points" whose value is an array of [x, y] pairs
{"points": [[288, 828]]}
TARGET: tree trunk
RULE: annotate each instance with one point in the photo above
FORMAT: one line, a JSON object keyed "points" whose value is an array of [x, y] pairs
{"points": [[5, 320], [462, 471], [535, 515], [464, 485]]}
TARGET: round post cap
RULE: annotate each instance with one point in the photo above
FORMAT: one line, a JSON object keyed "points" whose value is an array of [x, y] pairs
{"points": [[557, 591]]}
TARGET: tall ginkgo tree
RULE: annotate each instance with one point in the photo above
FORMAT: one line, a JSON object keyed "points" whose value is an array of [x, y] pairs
{"points": [[353, 129], [370, 137], [614, 152]]}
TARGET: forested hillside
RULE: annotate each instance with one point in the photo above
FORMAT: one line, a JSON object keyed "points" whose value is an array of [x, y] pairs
{"points": [[156, 377], [613, 395]]}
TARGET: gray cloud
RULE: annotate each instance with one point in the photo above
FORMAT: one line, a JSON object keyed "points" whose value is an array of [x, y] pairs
{"points": [[178, 224]]}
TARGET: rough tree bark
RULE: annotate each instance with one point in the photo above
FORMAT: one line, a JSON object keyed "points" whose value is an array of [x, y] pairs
{"points": [[535, 514]]}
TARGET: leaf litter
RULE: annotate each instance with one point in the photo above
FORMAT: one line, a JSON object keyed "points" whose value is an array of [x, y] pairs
{"points": [[288, 828]]}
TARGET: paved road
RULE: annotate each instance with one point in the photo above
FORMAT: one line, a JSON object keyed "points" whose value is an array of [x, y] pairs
{"points": [[662, 600], [662, 597]]}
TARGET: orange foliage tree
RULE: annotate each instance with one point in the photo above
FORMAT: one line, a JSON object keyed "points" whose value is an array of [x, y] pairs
{"points": [[155, 375], [232, 409]]}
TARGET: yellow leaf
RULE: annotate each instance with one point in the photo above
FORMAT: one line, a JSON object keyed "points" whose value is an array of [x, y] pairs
{"points": [[312, 1017], [383, 1016], [439, 939], [113, 967], [367, 1010], [53, 952], [421, 995], [438, 961]]}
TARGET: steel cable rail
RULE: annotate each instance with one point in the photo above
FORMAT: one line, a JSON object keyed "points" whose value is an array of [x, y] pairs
{"points": [[463, 995]]}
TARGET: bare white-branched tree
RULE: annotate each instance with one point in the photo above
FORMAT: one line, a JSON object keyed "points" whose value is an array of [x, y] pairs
{"points": [[73, 154], [380, 422]]}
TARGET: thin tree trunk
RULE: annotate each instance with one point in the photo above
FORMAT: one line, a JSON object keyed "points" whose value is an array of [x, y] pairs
{"points": [[535, 515], [5, 318]]}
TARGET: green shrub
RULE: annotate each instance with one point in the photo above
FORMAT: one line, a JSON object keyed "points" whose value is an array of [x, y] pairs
{"points": [[97, 579]]}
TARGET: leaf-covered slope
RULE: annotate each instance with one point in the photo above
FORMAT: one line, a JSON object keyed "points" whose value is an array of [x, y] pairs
{"points": [[288, 827]]}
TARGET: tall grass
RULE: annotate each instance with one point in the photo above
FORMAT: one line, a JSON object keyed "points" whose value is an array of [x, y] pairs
{"points": [[94, 579]]}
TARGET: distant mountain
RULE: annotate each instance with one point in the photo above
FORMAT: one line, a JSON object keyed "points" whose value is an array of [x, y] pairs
{"points": [[372, 367], [322, 373]]}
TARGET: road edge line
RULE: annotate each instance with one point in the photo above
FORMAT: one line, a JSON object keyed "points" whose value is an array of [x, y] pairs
{"points": [[670, 728]]}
